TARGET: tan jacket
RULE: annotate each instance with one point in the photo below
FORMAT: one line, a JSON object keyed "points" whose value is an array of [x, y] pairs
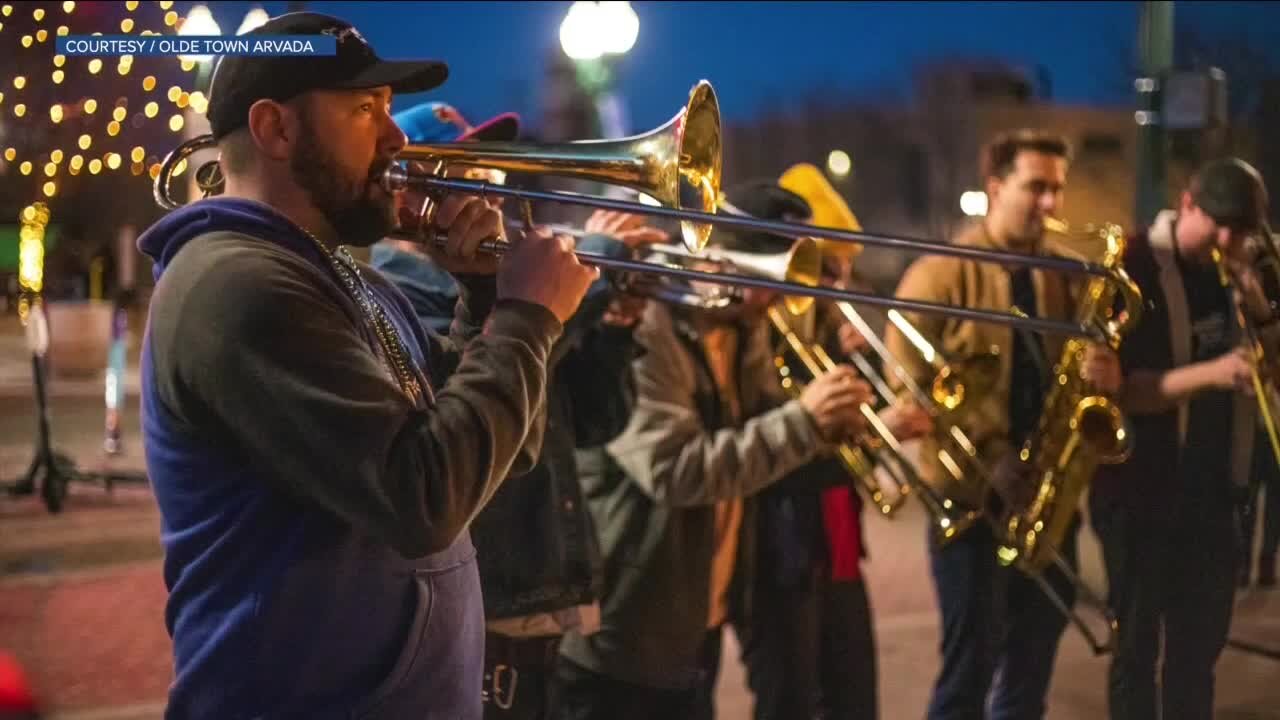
{"points": [[978, 285]]}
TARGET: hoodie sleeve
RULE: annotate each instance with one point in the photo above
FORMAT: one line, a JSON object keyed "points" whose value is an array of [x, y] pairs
{"points": [[444, 338], [596, 357], [255, 348]]}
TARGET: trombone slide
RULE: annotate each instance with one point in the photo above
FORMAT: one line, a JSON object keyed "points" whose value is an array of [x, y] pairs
{"points": [[1264, 391], [853, 457]]}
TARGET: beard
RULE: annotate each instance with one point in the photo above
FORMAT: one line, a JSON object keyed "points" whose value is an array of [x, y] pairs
{"points": [[359, 214]]}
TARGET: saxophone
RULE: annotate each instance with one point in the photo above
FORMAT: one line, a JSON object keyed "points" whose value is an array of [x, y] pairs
{"points": [[1079, 428]]}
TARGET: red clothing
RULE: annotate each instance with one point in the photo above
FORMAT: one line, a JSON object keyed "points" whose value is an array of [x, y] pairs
{"points": [[16, 695], [840, 515]]}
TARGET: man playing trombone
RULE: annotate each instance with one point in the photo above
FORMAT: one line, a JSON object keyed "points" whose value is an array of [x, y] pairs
{"points": [[671, 498], [996, 622], [316, 455], [808, 642], [1166, 517], [540, 566]]}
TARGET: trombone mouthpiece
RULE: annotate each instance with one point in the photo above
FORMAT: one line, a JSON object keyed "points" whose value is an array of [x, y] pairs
{"points": [[395, 179]]}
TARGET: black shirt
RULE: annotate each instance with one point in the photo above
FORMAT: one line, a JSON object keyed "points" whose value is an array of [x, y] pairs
{"points": [[1206, 453], [1027, 381]]}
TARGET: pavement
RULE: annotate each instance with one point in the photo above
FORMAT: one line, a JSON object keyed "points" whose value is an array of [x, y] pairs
{"points": [[82, 593]]}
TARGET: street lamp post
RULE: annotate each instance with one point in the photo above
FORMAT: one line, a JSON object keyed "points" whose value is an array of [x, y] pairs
{"points": [[1155, 40], [593, 35]]}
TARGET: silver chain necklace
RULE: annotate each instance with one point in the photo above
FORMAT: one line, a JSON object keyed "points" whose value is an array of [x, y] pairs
{"points": [[394, 355]]}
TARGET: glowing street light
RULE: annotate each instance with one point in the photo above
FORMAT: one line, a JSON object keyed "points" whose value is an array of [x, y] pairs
{"points": [[838, 163], [973, 202], [199, 22], [593, 29], [621, 27], [579, 32], [255, 18]]}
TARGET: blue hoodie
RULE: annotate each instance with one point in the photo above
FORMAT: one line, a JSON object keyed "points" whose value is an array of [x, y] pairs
{"points": [[313, 517]]}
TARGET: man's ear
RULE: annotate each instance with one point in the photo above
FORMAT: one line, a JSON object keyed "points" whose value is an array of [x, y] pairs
{"points": [[993, 189], [273, 128]]}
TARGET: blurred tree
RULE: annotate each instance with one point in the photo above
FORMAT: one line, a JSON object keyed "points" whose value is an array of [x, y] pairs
{"points": [[86, 134]]}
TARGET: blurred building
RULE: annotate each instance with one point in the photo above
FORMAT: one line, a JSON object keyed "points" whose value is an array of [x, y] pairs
{"points": [[911, 161], [1268, 145]]}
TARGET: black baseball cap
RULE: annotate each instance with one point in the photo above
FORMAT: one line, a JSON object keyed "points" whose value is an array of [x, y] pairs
{"points": [[239, 81], [1231, 192]]}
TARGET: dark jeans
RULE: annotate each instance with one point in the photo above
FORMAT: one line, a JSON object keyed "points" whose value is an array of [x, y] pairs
{"points": [[1173, 572], [582, 694], [810, 652], [1265, 475], [518, 677], [998, 627]]}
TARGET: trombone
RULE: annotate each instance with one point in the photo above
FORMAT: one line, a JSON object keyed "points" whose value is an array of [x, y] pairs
{"points": [[799, 265], [950, 519], [853, 457], [679, 166], [947, 393], [1261, 354], [948, 390]]}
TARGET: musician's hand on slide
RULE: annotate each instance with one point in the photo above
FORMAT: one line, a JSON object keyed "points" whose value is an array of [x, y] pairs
{"points": [[542, 268], [833, 401], [1101, 369], [907, 420], [468, 221], [626, 228]]}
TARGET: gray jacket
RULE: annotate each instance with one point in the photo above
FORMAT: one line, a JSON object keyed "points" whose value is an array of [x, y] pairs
{"points": [[653, 490]]}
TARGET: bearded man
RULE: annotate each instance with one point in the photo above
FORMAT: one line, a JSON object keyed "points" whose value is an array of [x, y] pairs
{"points": [[317, 455]]}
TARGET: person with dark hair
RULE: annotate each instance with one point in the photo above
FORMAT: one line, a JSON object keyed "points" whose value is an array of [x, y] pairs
{"points": [[316, 454], [997, 624], [672, 496], [808, 641], [999, 157], [1166, 517]]}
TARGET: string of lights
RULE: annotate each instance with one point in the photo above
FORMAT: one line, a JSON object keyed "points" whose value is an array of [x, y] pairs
{"points": [[81, 138], [75, 116], [33, 219]]}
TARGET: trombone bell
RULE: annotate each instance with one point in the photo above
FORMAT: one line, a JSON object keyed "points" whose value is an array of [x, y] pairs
{"points": [[677, 164]]}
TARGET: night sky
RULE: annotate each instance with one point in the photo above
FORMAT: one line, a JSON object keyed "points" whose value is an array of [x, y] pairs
{"points": [[762, 53]]}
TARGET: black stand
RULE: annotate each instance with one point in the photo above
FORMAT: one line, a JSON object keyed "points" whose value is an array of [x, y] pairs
{"points": [[53, 471]]}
